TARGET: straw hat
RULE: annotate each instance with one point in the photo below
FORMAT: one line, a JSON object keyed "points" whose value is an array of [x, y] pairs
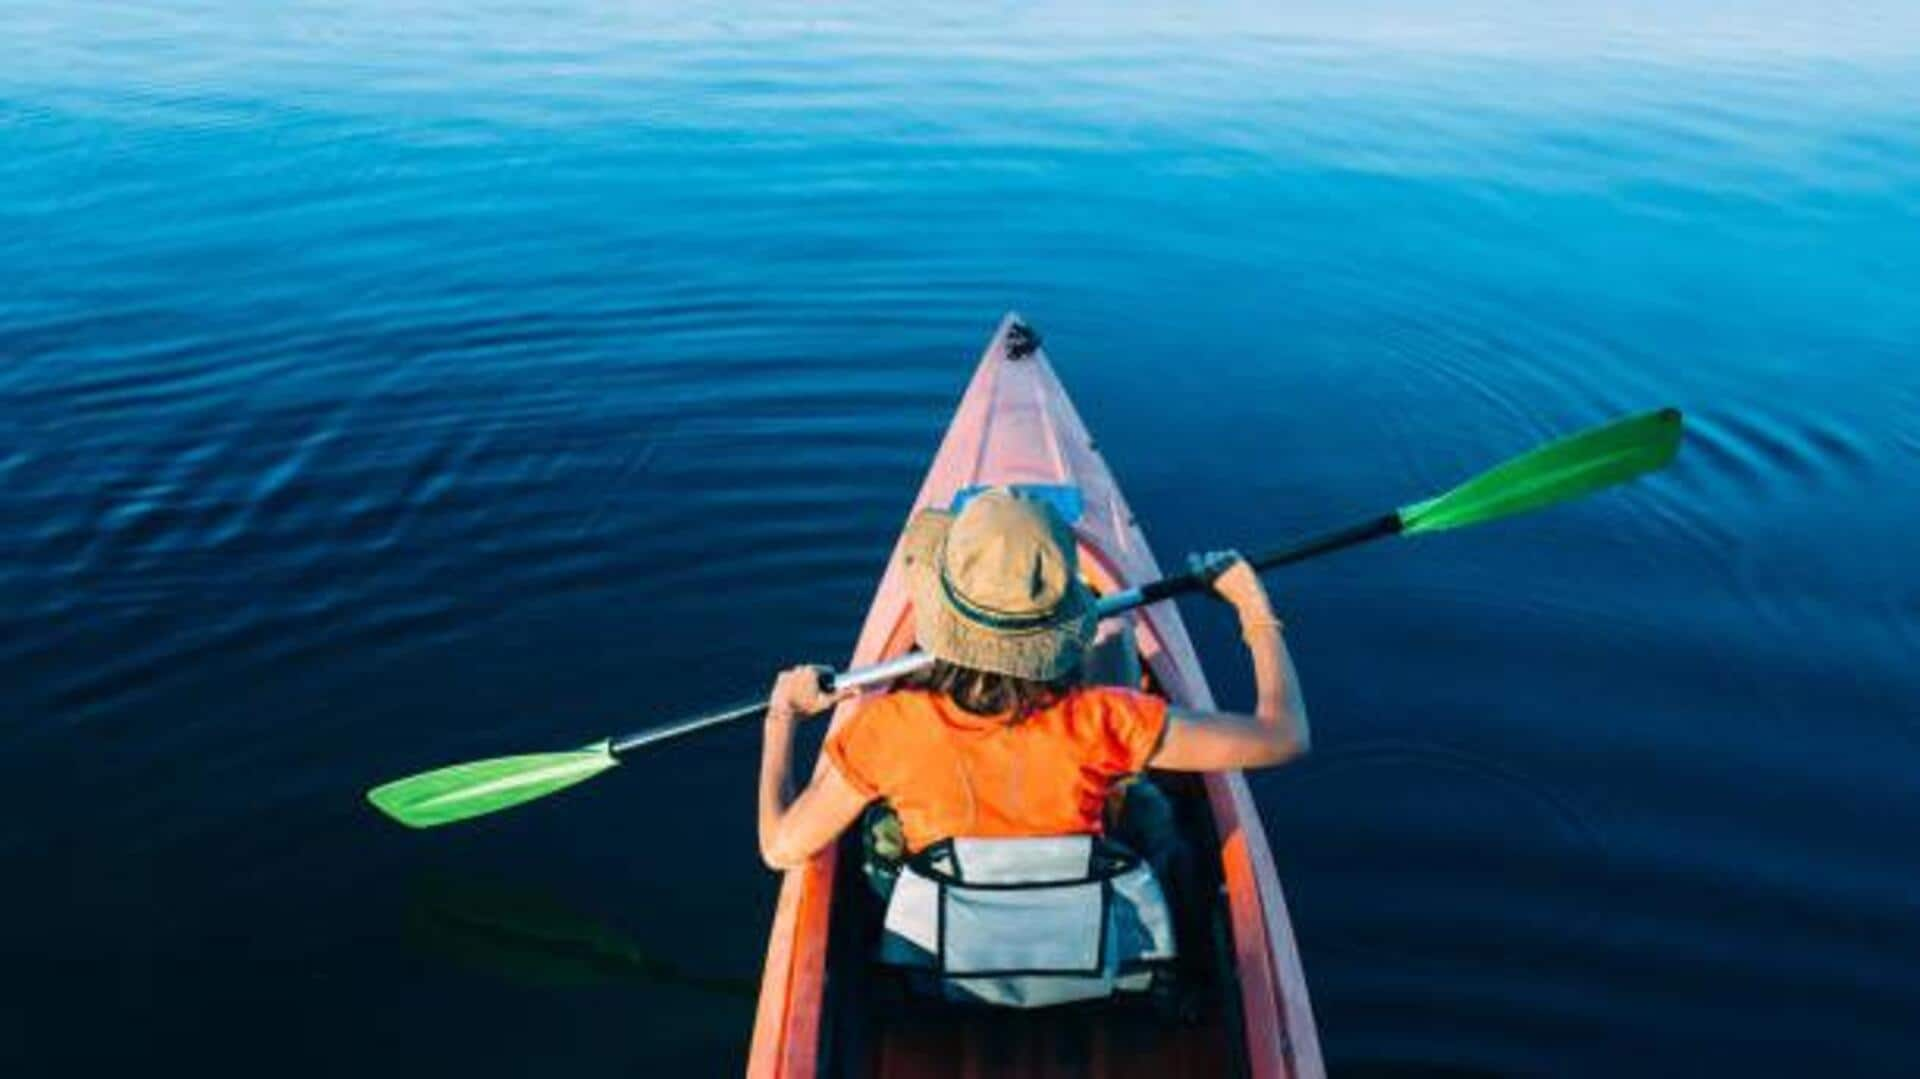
{"points": [[996, 587]]}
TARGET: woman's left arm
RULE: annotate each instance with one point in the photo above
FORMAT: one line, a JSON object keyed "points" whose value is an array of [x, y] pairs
{"points": [[793, 830]]}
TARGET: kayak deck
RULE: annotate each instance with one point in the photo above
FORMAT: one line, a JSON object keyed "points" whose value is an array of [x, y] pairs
{"points": [[824, 1011]]}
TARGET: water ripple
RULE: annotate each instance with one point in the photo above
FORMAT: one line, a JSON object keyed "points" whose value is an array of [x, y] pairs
{"points": [[384, 382]]}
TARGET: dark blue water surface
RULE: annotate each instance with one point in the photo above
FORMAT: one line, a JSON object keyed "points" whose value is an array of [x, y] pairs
{"points": [[384, 384]]}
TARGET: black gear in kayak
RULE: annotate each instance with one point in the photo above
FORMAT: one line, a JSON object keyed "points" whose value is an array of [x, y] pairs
{"points": [[1022, 341]]}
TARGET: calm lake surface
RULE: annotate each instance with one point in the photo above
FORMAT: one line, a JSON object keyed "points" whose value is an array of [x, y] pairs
{"points": [[386, 384]]}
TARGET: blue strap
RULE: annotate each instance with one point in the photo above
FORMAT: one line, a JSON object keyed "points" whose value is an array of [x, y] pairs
{"points": [[1066, 500]]}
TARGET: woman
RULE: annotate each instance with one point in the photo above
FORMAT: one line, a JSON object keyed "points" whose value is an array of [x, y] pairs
{"points": [[1003, 737]]}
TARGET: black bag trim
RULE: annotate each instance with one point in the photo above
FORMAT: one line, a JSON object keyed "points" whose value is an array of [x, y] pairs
{"points": [[1107, 860], [1138, 966]]}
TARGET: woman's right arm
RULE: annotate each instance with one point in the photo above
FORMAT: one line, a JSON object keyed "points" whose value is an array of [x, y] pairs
{"points": [[1276, 731]]}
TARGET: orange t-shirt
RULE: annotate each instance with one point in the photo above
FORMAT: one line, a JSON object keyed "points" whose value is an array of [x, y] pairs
{"points": [[948, 772]]}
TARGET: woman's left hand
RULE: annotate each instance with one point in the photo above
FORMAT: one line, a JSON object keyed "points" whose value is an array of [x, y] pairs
{"points": [[797, 693]]}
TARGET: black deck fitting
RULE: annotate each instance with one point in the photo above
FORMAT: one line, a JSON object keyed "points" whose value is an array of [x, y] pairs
{"points": [[1022, 341]]}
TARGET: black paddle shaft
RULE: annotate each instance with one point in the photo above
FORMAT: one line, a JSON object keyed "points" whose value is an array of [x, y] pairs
{"points": [[718, 717], [1182, 583]]}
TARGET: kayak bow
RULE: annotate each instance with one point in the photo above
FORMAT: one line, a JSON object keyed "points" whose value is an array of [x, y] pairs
{"points": [[820, 1009]]}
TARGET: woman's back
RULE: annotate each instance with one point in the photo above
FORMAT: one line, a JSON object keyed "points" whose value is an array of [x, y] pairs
{"points": [[947, 772]]}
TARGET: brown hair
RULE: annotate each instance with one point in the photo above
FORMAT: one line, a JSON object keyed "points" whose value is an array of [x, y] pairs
{"points": [[986, 693]]}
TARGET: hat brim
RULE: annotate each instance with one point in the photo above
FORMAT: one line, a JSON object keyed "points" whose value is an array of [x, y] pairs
{"points": [[1040, 654]]}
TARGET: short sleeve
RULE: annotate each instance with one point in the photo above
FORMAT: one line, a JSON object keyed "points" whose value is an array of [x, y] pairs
{"points": [[1134, 723], [854, 751]]}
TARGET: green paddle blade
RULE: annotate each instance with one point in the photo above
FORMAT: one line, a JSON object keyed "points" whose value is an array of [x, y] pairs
{"points": [[462, 791], [1563, 470]]}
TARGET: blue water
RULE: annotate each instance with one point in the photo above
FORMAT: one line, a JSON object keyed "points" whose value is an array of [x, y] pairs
{"points": [[384, 384]]}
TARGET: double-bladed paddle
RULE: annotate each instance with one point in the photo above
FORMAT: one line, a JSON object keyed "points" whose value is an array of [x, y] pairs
{"points": [[1557, 472]]}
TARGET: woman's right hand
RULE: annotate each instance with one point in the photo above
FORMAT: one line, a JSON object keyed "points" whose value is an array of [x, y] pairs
{"points": [[1233, 579]]}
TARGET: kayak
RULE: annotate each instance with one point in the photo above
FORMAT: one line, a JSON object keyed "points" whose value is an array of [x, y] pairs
{"points": [[822, 1010]]}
